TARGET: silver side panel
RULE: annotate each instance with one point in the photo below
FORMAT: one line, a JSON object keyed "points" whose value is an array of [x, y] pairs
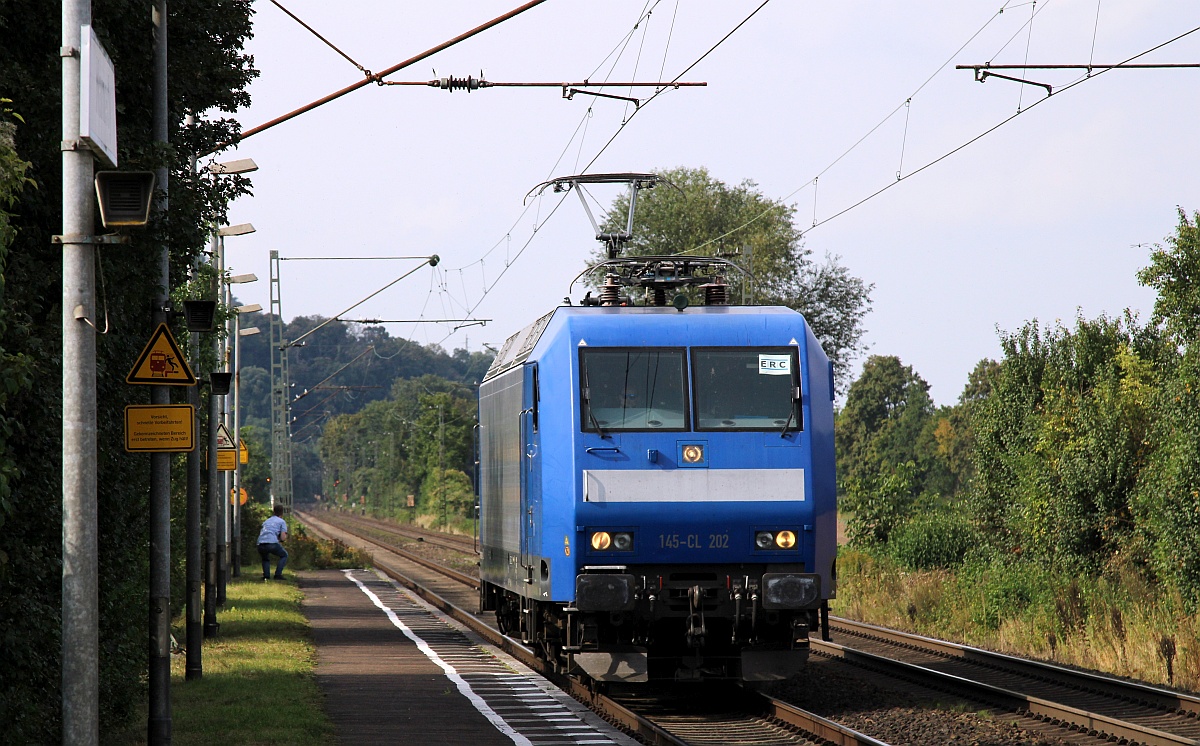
{"points": [[517, 348], [692, 485], [500, 459]]}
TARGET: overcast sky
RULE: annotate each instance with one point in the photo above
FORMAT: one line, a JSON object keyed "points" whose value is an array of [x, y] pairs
{"points": [[1049, 215]]}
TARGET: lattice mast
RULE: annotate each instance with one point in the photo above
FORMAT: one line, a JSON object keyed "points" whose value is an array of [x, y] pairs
{"points": [[281, 428]]}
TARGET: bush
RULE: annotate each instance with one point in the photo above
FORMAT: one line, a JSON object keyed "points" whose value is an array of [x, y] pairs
{"points": [[304, 552], [309, 553], [931, 541]]}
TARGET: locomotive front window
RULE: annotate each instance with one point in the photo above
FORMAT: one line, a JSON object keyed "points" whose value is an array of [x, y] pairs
{"points": [[747, 388], [638, 388]]}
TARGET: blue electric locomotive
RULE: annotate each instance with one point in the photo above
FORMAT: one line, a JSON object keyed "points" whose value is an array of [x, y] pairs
{"points": [[657, 496]]}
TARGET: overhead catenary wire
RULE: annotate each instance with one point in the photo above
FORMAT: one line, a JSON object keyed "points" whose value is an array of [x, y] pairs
{"points": [[317, 34], [330, 377], [609, 142], [432, 260], [379, 76], [1000, 124]]}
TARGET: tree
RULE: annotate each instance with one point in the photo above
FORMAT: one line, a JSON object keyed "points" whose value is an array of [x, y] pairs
{"points": [[705, 216], [884, 422], [1174, 272], [954, 430], [1061, 440]]}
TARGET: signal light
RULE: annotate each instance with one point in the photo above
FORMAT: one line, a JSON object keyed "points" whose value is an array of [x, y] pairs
{"points": [[601, 540], [785, 539]]}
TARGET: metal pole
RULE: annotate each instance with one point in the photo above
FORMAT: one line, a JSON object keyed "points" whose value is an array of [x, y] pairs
{"points": [[158, 722], [237, 443], [194, 631], [214, 507], [442, 465], [80, 600], [223, 490], [194, 666]]}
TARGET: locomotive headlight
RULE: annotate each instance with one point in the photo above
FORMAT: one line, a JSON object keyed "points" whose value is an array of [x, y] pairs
{"points": [[764, 540], [601, 540], [622, 542], [693, 453], [785, 539]]}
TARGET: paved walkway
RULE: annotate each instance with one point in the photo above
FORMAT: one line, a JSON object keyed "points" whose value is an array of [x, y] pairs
{"points": [[393, 670]]}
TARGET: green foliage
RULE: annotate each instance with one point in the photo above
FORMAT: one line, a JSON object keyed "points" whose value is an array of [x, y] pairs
{"points": [[310, 553], [997, 588], [878, 503], [1061, 440], [1174, 272], [888, 420], [932, 540], [705, 216], [419, 442], [208, 73]]}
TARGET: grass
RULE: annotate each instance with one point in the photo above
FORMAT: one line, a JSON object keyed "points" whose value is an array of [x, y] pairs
{"points": [[258, 685], [1116, 623]]}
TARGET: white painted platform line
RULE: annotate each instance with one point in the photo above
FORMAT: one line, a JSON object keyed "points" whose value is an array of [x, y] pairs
{"points": [[515, 699]]}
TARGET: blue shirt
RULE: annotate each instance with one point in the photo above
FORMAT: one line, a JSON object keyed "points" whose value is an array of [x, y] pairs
{"points": [[271, 529]]}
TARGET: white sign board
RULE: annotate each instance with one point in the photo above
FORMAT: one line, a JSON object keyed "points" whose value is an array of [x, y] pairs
{"points": [[774, 365], [97, 99]]}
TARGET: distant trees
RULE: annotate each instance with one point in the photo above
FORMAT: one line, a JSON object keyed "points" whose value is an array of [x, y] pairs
{"points": [[1077, 454], [705, 216], [417, 442]]}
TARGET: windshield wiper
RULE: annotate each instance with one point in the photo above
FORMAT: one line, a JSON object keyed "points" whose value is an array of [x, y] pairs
{"points": [[587, 399], [791, 413]]}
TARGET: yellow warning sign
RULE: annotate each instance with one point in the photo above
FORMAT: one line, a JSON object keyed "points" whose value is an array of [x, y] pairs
{"points": [[226, 460], [243, 453], [165, 428], [161, 362]]}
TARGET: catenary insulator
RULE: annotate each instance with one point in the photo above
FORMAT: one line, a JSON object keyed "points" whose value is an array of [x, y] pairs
{"points": [[716, 293], [610, 291], [460, 84]]}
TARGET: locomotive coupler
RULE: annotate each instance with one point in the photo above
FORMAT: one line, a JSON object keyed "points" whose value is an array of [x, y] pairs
{"points": [[737, 609], [799, 634], [695, 623]]}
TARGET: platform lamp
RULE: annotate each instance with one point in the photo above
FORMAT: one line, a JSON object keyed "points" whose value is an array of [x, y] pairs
{"points": [[224, 513], [206, 556], [239, 332]]}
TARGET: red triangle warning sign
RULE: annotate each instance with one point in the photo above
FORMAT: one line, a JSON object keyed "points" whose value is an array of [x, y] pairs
{"points": [[161, 362]]}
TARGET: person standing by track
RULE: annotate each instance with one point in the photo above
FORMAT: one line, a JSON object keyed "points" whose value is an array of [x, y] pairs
{"points": [[274, 532]]}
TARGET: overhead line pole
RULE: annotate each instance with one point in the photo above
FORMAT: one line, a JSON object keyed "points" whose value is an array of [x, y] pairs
{"points": [[158, 721], [80, 590], [379, 76]]}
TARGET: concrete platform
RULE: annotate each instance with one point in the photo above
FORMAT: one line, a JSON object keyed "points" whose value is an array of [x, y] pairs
{"points": [[394, 670]]}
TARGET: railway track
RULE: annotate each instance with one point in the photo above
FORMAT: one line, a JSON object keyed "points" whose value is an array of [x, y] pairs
{"points": [[1093, 706], [656, 717], [1127, 711]]}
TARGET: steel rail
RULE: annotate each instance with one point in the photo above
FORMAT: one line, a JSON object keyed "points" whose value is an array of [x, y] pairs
{"points": [[645, 729], [1087, 680], [1006, 698], [446, 541], [467, 580]]}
